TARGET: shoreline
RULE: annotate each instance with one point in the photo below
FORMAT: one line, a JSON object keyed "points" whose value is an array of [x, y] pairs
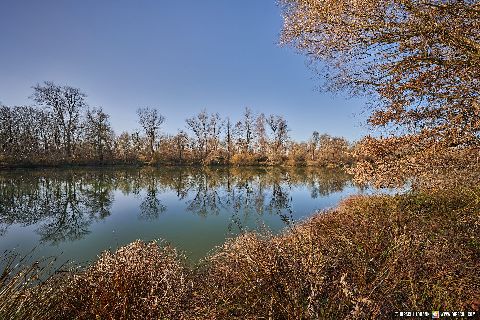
{"points": [[6, 167]]}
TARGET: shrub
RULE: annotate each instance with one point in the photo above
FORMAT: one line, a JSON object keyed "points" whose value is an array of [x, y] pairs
{"points": [[138, 281], [245, 159]]}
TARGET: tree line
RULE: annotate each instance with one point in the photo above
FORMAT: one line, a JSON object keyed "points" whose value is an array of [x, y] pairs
{"points": [[60, 128]]}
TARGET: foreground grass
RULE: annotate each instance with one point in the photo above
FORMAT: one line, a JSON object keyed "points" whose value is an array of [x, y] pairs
{"points": [[371, 256]]}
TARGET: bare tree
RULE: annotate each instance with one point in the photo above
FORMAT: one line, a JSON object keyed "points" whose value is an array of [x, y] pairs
{"points": [[98, 132], [215, 127], [43, 135], [278, 126], [24, 132], [199, 126], [181, 143], [67, 104], [229, 139], [245, 130], [261, 134], [150, 120]]}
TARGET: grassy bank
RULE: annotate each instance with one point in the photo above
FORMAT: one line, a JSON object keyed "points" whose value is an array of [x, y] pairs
{"points": [[369, 257]]}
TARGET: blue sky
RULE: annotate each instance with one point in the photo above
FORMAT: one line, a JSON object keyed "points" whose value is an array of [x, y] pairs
{"points": [[176, 56]]}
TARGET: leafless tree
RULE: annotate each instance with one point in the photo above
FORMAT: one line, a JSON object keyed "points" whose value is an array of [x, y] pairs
{"points": [[199, 125], [67, 105], [278, 126], [215, 127], [229, 139], [98, 132], [261, 134], [245, 130], [151, 121]]}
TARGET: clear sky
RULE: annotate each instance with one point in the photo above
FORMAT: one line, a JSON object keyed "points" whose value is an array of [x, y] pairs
{"points": [[177, 56]]}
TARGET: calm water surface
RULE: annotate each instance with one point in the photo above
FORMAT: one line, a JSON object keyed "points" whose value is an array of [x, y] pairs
{"points": [[78, 213]]}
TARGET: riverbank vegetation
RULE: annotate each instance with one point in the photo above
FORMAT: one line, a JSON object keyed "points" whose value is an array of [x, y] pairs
{"points": [[60, 129], [367, 258]]}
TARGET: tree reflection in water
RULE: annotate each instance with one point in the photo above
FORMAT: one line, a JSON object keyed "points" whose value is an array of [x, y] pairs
{"points": [[63, 204]]}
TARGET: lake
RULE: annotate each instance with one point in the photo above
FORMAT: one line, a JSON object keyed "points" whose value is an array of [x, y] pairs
{"points": [[77, 213]]}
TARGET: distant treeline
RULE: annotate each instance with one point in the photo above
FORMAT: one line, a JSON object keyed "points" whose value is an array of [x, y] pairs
{"points": [[62, 129]]}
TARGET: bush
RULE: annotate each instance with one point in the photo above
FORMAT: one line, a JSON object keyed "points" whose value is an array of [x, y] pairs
{"points": [[138, 281], [246, 159]]}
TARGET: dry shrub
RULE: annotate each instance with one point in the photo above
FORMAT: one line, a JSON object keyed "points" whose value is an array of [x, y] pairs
{"points": [[260, 277], [138, 281], [246, 159]]}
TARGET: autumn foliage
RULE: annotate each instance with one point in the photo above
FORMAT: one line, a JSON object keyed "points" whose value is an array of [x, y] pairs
{"points": [[420, 62]]}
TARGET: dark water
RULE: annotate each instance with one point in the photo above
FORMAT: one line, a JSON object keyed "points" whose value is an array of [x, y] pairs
{"points": [[78, 213]]}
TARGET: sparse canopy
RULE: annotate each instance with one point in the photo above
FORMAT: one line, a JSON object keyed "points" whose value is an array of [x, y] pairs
{"points": [[98, 132], [150, 120], [420, 59], [66, 104]]}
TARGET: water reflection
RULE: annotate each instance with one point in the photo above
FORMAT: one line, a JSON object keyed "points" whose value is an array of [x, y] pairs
{"points": [[63, 204]]}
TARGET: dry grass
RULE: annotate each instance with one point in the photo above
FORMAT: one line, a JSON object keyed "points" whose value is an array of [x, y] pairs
{"points": [[369, 257], [138, 281], [23, 290]]}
